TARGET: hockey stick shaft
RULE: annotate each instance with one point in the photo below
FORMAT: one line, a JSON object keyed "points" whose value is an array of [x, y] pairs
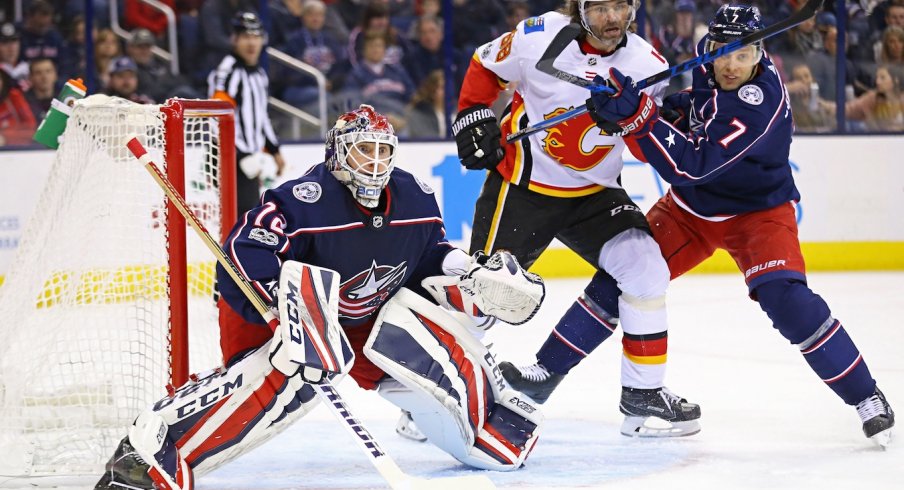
{"points": [[571, 32], [385, 465]]}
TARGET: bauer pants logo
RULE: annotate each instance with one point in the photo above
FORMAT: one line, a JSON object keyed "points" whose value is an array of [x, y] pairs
{"points": [[763, 266]]}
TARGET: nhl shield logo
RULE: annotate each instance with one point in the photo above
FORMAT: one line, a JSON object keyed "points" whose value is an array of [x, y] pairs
{"points": [[377, 221], [307, 191], [751, 94]]}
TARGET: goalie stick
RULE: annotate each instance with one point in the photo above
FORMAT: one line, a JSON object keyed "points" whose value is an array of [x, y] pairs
{"points": [[384, 464], [572, 31]]}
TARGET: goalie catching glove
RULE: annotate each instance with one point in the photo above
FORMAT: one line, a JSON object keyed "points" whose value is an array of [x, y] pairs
{"points": [[632, 110], [494, 286]]}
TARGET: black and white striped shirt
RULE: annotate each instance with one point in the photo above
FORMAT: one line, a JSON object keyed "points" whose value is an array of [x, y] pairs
{"points": [[247, 87]]}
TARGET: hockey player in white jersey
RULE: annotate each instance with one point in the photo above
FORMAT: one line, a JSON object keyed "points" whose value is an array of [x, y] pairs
{"points": [[564, 183]]}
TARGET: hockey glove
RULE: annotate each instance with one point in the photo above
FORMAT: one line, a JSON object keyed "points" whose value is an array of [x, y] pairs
{"points": [[632, 110], [478, 137], [675, 109]]}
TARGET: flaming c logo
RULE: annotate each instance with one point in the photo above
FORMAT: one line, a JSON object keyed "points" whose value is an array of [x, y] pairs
{"points": [[564, 142]]}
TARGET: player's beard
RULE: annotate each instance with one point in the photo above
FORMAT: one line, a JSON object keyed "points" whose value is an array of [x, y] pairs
{"points": [[608, 35]]}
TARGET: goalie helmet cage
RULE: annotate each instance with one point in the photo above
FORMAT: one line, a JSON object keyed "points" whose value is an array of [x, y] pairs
{"points": [[95, 311]]}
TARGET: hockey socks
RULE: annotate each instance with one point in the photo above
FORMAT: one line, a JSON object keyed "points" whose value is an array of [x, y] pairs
{"points": [[583, 327], [803, 318]]}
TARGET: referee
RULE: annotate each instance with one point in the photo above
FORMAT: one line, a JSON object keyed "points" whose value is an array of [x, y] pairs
{"points": [[241, 81]]}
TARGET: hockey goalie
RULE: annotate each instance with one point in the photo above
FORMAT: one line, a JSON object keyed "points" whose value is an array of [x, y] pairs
{"points": [[353, 257]]}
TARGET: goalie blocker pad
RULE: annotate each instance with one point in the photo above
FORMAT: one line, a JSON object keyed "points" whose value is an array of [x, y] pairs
{"points": [[454, 390], [220, 415], [309, 338]]}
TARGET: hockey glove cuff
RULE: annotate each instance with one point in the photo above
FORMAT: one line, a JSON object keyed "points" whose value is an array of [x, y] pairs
{"points": [[478, 137]]}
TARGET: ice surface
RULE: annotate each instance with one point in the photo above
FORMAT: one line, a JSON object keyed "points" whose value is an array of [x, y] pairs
{"points": [[768, 421]]}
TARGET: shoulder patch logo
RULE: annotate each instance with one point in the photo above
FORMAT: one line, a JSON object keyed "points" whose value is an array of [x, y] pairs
{"points": [[533, 24], [307, 191], [423, 185], [751, 94], [264, 236]]}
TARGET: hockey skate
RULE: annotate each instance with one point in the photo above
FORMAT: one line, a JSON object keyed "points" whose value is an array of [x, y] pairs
{"points": [[408, 429], [534, 380], [878, 418], [125, 470], [672, 416]]}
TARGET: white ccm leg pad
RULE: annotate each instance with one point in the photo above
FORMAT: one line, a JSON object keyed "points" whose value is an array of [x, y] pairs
{"points": [[455, 392], [218, 416], [309, 338]]}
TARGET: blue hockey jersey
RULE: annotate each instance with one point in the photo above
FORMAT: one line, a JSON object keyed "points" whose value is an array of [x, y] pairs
{"points": [[314, 219], [733, 157]]}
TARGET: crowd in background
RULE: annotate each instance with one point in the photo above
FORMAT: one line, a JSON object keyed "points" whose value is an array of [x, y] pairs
{"points": [[389, 53]]}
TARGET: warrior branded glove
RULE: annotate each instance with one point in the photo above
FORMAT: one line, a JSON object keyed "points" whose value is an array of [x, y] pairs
{"points": [[478, 137], [632, 110], [675, 108]]}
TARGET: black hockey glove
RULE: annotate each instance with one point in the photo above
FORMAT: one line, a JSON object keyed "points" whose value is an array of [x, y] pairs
{"points": [[478, 137]]}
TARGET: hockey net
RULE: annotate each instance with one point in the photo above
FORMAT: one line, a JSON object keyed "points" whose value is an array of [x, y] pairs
{"points": [[96, 309]]}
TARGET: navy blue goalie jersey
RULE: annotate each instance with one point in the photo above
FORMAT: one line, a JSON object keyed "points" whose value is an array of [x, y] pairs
{"points": [[314, 219], [730, 154]]}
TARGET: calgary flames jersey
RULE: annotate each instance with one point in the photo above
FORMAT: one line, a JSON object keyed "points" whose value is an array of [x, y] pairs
{"points": [[574, 158]]}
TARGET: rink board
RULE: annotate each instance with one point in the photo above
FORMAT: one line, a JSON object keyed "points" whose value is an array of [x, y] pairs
{"points": [[849, 216]]}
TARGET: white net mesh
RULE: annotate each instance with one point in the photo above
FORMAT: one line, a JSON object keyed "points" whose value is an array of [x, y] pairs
{"points": [[84, 322]]}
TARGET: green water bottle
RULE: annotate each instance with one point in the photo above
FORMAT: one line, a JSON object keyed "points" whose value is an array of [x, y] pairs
{"points": [[54, 123]]}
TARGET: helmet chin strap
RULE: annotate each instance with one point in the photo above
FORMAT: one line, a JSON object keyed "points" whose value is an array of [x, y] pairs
{"points": [[345, 177]]}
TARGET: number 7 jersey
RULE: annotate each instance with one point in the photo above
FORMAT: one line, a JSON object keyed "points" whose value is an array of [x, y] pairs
{"points": [[574, 158]]}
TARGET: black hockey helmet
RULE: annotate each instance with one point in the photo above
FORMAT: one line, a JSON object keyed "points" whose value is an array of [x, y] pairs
{"points": [[733, 22], [247, 23]]}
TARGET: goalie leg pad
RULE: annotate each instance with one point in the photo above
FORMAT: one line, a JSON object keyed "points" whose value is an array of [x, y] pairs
{"points": [[451, 384], [216, 417]]}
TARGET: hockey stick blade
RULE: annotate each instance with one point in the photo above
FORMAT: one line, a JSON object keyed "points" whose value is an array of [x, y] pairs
{"points": [[571, 32], [388, 469]]}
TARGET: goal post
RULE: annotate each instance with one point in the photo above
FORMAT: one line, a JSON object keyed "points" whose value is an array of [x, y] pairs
{"points": [[109, 299]]}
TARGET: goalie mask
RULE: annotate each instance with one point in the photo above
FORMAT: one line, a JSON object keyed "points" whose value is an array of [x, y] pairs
{"points": [[733, 22], [601, 18], [361, 151]]}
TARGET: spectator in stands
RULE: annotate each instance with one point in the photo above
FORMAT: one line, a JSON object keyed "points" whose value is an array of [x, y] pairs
{"points": [[823, 64], [123, 81], [72, 59], [138, 14], [43, 80], [154, 76], [17, 124], [10, 49], [375, 19], [385, 86], [429, 8], [477, 22], [676, 40], [891, 49], [798, 43], [881, 109], [425, 115], [893, 17], [427, 53], [40, 38], [517, 11], [106, 49], [285, 18], [811, 112], [316, 46]]}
